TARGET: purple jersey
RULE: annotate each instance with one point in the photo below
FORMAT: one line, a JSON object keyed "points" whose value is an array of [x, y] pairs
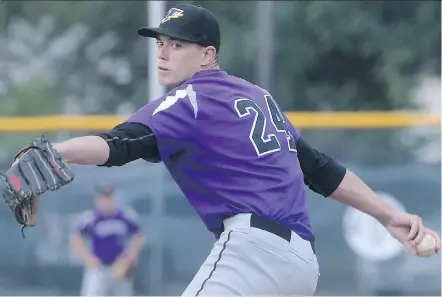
{"points": [[109, 235], [230, 149]]}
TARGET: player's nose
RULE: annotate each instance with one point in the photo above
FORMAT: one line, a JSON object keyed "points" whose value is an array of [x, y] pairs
{"points": [[161, 54]]}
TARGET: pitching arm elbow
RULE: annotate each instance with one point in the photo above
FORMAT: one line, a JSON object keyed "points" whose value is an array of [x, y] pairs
{"points": [[322, 174]]}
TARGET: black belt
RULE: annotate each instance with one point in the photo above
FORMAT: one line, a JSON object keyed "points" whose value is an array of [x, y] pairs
{"points": [[273, 227]]}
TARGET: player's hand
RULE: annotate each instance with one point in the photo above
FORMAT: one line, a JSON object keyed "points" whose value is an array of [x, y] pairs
{"points": [[123, 265], [93, 262], [409, 230]]}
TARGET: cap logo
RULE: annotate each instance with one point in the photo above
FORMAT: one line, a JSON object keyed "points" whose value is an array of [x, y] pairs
{"points": [[173, 13]]}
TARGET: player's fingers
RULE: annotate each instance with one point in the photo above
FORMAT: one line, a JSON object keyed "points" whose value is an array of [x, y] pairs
{"points": [[410, 247], [413, 222], [420, 233], [401, 234], [413, 229]]}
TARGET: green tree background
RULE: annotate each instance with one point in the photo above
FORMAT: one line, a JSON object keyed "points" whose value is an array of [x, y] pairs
{"points": [[329, 55]]}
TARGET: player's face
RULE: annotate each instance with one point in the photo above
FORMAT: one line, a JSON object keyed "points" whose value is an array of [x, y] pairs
{"points": [[105, 203], [178, 60]]}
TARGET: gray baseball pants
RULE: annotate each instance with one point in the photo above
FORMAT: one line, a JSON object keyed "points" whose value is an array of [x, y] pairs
{"points": [[101, 282], [248, 261]]}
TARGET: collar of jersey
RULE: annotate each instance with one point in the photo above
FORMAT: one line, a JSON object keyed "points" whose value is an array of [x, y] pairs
{"points": [[203, 73]]}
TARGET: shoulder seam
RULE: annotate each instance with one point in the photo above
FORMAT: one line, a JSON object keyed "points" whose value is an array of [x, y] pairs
{"points": [[192, 98], [174, 96]]}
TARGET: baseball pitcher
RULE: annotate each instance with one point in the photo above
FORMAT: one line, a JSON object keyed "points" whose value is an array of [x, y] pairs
{"points": [[116, 240], [238, 160]]}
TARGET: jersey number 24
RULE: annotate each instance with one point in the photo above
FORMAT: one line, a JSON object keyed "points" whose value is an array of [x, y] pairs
{"points": [[265, 143]]}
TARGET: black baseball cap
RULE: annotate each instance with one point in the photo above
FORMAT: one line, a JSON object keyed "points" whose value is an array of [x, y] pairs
{"points": [[105, 189], [190, 23]]}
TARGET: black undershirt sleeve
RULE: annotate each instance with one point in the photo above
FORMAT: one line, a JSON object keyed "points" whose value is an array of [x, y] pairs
{"points": [[322, 174], [129, 142], [132, 141]]}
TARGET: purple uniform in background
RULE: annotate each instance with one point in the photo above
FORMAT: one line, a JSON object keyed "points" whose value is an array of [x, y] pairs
{"points": [[231, 150], [109, 235]]}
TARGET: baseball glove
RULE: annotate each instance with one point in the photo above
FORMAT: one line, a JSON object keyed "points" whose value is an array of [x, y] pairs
{"points": [[36, 169]]}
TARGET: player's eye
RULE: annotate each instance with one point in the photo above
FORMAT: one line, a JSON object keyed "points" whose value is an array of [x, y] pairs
{"points": [[159, 43], [176, 45]]}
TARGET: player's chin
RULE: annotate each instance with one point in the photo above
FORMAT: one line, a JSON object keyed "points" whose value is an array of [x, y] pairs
{"points": [[167, 81], [163, 79]]}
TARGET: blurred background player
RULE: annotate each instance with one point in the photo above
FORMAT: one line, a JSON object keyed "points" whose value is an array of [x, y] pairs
{"points": [[116, 241]]}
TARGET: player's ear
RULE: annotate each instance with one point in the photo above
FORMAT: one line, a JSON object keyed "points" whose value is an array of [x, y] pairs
{"points": [[208, 55]]}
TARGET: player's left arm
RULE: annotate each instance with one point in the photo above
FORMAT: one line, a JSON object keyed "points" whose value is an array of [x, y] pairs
{"points": [[138, 239], [155, 131], [123, 144], [136, 245], [128, 259], [126, 262]]}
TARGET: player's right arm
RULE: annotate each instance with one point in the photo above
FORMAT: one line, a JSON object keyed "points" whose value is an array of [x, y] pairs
{"points": [[80, 247], [327, 177], [78, 241]]}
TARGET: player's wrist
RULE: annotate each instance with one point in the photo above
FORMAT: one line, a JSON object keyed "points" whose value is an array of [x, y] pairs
{"points": [[91, 258], [85, 150], [384, 212], [62, 150], [386, 217], [130, 255]]}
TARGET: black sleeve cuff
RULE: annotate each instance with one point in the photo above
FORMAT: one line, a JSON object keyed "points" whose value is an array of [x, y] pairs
{"points": [[322, 174], [129, 142]]}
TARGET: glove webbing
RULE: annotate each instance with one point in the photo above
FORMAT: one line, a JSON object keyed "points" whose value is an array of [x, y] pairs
{"points": [[26, 149]]}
